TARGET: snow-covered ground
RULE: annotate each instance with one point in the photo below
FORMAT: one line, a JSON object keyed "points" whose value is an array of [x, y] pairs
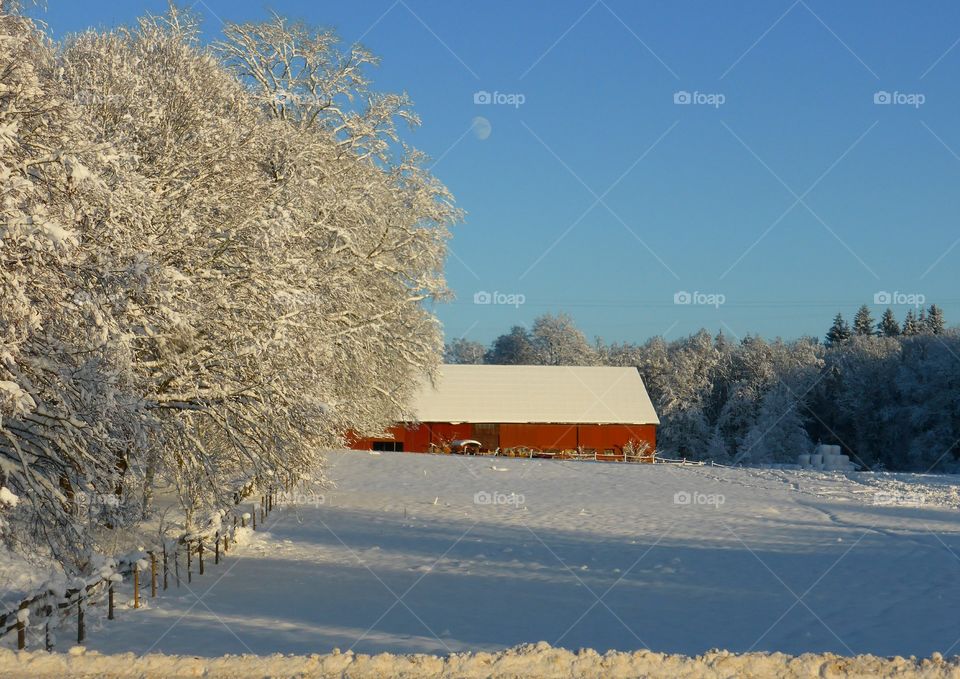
{"points": [[531, 661], [440, 554]]}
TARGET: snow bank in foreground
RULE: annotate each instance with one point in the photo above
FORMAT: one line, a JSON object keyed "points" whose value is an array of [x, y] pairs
{"points": [[533, 660]]}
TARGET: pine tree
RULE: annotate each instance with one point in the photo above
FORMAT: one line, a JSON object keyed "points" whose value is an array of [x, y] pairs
{"points": [[935, 323], [888, 326], [922, 322], [863, 321], [839, 332], [910, 326]]}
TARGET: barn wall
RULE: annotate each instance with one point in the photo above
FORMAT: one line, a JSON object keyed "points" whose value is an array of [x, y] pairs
{"points": [[542, 436], [615, 436], [601, 437], [444, 432], [416, 438]]}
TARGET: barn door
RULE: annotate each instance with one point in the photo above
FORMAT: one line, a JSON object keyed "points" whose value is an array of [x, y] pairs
{"points": [[488, 435]]}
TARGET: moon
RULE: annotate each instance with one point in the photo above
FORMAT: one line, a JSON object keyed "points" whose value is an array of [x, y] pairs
{"points": [[481, 128]]}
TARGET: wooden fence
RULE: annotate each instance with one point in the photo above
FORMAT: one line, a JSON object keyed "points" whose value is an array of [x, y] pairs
{"points": [[156, 568]]}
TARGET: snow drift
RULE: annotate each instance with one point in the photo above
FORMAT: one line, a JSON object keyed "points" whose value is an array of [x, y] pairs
{"points": [[532, 660]]}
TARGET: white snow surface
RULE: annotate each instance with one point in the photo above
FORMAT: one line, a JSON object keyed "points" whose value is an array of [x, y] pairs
{"points": [[531, 661], [7, 497], [442, 554]]}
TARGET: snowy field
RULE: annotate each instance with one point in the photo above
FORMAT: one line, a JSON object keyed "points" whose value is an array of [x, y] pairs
{"points": [[434, 554], [400, 557]]}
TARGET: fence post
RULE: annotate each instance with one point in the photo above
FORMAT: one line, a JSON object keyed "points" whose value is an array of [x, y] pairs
{"points": [[200, 554], [216, 550], [136, 584], [47, 639], [153, 575], [165, 570], [254, 517], [176, 564], [189, 563], [22, 626], [110, 600], [81, 627]]}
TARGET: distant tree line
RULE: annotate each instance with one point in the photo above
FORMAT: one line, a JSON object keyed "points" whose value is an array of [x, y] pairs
{"points": [[888, 394], [928, 321]]}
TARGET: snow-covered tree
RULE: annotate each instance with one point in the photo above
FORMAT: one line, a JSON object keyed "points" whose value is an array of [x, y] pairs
{"points": [[291, 250], [464, 351], [202, 280], [67, 409], [863, 322], [717, 449], [935, 322], [910, 325], [778, 433], [513, 348], [925, 413], [839, 332], [888, 326], [556, 340], [683, 399]]}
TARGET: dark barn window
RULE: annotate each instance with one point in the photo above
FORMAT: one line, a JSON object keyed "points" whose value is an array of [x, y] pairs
{"points": [[388, 446]]}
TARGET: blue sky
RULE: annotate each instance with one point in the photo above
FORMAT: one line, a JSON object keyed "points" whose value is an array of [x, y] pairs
{"points": [[782, 194]]}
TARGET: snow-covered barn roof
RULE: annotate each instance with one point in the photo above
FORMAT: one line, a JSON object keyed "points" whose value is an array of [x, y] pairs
{"points": [[534, 393]]}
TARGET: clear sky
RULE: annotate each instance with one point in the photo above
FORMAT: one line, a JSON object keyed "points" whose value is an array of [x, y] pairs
{"points": [[782, 189]]}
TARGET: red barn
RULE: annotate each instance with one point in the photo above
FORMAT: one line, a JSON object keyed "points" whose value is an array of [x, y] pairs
{"points": [[550, 410]]}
